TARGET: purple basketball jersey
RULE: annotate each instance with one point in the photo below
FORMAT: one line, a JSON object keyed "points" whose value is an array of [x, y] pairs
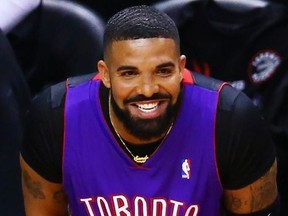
{"points": [[180, 178]]}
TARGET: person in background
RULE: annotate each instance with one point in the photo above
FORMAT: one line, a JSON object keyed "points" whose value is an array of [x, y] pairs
{"points": [[14, 102], [145, 136], [12, 12]]}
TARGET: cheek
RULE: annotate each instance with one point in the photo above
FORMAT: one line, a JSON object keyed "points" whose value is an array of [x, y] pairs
{"points": [[175, 94], [122, 90], [174, 89], [119, 94]]}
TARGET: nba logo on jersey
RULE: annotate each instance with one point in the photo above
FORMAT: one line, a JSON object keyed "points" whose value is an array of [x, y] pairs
{"points": [[186, 169]]}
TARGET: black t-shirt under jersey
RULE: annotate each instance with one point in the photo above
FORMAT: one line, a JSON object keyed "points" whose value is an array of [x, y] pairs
{"points": [[244, 148]]}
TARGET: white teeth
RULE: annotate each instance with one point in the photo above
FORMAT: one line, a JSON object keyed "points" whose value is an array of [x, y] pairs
{"points": [[150, 107]]}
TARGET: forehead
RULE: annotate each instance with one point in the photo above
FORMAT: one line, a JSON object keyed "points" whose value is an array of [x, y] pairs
{"points": [[143, 50]]}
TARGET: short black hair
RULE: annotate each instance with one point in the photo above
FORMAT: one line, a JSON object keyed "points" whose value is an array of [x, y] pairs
{"points": [[141, 21]]}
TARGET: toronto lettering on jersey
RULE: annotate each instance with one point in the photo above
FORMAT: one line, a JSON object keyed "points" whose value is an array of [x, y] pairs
{"points": [[120, 205]]}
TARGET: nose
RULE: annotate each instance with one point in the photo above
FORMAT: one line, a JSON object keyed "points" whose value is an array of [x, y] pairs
{"points": [[147, 86]]}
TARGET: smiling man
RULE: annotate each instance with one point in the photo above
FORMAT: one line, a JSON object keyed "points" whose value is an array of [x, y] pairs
{"points": [[145, 136], [145, 83]]}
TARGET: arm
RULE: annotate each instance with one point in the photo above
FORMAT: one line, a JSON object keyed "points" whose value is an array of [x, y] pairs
{"points": [[257, 196], [41, 197], [246, 157]]}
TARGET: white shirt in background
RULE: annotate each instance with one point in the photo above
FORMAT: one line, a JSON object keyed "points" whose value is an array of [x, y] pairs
{"points": [[13, 11]]}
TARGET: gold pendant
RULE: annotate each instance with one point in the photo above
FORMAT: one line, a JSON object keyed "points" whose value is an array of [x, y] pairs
{"points": [[141, 160]]}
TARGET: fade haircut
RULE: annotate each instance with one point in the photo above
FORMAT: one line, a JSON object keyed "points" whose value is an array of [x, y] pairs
{"points": [[137, 22]]}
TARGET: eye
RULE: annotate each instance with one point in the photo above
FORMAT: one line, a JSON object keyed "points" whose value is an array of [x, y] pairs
{"points": [[164, 71], [129, 73]]}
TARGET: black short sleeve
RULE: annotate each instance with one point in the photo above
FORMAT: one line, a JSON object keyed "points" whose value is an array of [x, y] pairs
{"points": [[245, 150], [42, 148]]}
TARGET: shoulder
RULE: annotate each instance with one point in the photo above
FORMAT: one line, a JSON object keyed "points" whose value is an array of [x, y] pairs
{"points": [[241, 131], [54, 96], [44, 130], [228, 95]]}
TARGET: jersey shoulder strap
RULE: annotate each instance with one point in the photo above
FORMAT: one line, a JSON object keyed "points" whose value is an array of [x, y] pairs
{"points": [[58, 90], [208, 82], [74, 81]]}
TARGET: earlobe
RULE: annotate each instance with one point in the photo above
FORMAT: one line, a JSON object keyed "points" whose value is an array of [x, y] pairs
{"points": [[104, 73]]}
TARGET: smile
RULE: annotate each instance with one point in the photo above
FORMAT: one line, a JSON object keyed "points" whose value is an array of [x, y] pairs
{"points": [[148, 107]]}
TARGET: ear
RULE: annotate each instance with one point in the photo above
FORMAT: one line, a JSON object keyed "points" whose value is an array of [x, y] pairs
{"points": [[182, 64], [104, 73]]}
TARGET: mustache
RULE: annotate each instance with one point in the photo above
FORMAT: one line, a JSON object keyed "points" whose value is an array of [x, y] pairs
{"points": [[139, 98]]}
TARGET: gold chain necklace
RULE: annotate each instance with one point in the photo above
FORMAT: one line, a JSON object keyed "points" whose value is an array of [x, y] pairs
{"points": [[136, 158]]}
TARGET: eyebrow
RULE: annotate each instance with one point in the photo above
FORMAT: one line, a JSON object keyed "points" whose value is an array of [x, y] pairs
{"points": [[166, 64], [128, 67]]}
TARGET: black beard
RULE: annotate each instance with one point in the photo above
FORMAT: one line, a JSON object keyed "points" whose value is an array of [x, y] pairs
{"points": [[146, 129]]}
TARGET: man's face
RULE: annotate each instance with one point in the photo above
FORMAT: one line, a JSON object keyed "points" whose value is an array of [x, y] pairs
{"points": [[145, 80]]}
